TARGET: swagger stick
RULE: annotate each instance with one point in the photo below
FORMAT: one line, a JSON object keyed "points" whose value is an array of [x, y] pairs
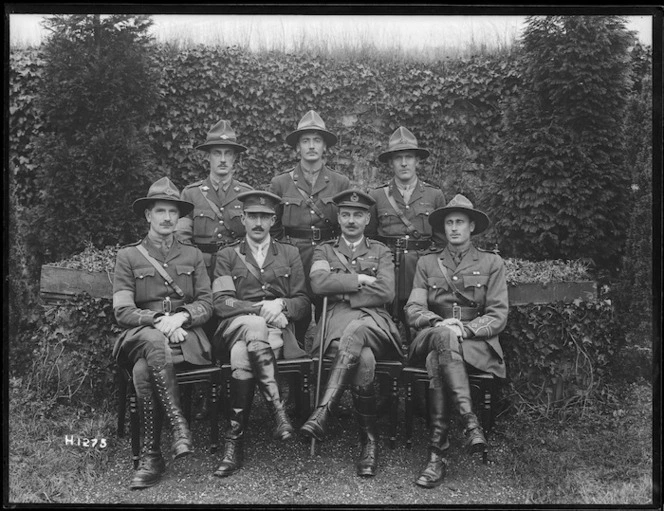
{"points": [[319, 376]]}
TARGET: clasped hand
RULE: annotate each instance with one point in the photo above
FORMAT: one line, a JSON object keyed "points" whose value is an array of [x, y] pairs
{"points": [[453, 324], [271, 312], [171, 327]]}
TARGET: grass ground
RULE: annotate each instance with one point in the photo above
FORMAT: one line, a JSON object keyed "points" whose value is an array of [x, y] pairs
{"points": [[604, 457]]}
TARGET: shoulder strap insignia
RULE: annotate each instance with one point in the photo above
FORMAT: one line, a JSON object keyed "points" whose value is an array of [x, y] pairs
{"points": [[196, 183]]}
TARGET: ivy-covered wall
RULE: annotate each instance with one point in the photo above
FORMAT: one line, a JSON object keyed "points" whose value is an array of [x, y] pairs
{"points": [[453, 107]]}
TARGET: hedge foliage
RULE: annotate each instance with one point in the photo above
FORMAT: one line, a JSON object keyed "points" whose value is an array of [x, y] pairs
{"points": [[516, 133], [556, 354], [563, 188], [560, 354], [95, 97]]}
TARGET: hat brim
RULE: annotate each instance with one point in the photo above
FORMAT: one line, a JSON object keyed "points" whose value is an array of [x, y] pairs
{"points": [[437, 219], [140, 205], [384, 157], [256, 208], [355, 205], [206, 146], [329, 137]]}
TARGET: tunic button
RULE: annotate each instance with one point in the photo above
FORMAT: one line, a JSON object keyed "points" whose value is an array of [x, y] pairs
{"points": [[262, 270], [221, 209], [455, 278], [407, 207], [165, 265], [221, 222], [219, 235], [312, 212], [479, 285]]}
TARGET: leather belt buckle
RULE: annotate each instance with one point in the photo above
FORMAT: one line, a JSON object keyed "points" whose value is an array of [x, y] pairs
{"points": [[315, 234], [167, 306], [456, 312]]}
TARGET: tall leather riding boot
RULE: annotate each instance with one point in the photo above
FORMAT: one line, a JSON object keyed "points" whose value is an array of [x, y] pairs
{"points": [[439, 417], [165, 384], [343, 368], [264, 366], [364, 400], [242, 394], [456, 379], [152, 465]]}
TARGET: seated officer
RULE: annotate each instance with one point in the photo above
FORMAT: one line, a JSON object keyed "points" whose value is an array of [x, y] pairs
{"points": [[459, 305], [259, 291], [161, 298], [357, 276]]}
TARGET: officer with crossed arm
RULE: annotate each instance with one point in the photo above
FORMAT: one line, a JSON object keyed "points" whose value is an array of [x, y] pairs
{"points": [[357, 276]]}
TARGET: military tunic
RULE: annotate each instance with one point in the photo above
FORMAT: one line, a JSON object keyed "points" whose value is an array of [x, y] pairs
{"points": [[480, 277], [296, 217], [139, 293], [386, 226], [347, 301], [236, 289], [212, 227]]}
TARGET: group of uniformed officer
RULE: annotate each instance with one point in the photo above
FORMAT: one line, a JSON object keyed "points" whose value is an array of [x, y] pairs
{"points": [[243, 268]]}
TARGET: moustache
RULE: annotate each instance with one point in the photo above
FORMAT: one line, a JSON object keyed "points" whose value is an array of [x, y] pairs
{"points": [[258, 229]]}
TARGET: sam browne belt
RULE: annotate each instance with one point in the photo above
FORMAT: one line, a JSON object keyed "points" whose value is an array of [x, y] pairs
{"points": [[314, 233]]}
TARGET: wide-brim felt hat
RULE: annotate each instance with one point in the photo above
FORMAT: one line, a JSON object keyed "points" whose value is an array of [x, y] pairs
{"points": [[221, 134], [162, 189], [259, 201], [402, 140], [311, 121], [462, 204], [354, 198]]}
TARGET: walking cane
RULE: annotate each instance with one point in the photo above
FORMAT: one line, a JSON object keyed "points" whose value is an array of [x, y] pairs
{"points": [[321, 348]]}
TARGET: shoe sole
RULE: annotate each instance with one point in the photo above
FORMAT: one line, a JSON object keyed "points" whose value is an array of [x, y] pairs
{"points": [[311, 434], [429, 484], [177, 456], [224, 474]]}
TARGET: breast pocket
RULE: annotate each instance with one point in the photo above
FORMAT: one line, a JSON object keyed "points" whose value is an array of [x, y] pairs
{"points": [[204, 224], [390, 224], [144, 282], [235, 221], [329, 208], [475, 286], [367, 267], [293, 212], [421, 211], [279, 277], [185, 279]]}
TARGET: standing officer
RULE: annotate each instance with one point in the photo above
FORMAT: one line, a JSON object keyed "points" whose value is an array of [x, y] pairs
{"points": [[357, 275], [215, 219], [307, 215], [161, 298], [258, 292], [459, 305], [403, 205]]}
